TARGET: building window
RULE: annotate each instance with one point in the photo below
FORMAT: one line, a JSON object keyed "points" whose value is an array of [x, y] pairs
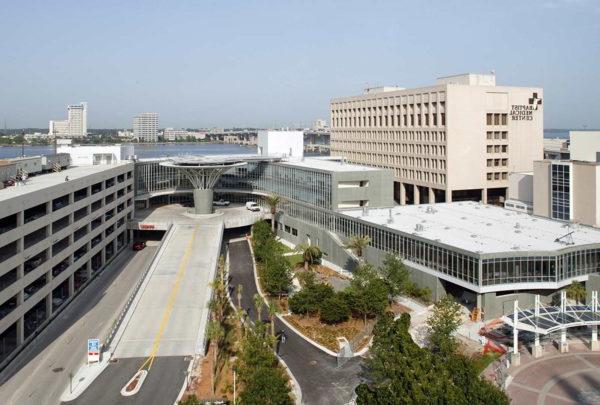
{"points": [[504, 148], [561, 190], [489, 176], [504, 135], [489, 135], [443, 118], [504, 119], [489, 163], [489, 148], [488, 120]]}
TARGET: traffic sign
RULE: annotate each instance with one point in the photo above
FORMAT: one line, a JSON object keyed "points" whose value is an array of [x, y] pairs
{"points": [[93, 350]]}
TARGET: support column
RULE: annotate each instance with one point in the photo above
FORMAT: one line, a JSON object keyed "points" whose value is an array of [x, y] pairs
{"points": [[564, 345], [448, 196], [594, 343], [402, 194], [203, 200], [538, 350], [71, 285], [431, 195], [484, 195], [48, 305], [479, 307], [416, 194], [515, 358], [20, 330]]}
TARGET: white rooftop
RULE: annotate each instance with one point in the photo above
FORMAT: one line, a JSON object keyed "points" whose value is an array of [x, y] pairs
{"points": [[48, 180], [328, 164], [480, 228]]}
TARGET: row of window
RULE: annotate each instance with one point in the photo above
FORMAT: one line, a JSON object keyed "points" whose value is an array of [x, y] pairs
{"points": [[497, 162], [496, 135], [497, 176], [496, 119], [385, 135], [379, 121], [390, 148], [496, 148]]}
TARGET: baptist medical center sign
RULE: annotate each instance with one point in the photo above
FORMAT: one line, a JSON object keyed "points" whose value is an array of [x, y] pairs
{"points": [[524, 112]]}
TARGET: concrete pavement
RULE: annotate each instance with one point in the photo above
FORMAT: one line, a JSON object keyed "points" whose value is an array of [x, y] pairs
{"points": [[321, 381], [39, 374], [172, 304], [160, 387]]}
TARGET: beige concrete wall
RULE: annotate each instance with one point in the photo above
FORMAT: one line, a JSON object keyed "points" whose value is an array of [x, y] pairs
{"points": [[541, 188], [586, 194], [520, 186], [453, 156], [584, 145]]}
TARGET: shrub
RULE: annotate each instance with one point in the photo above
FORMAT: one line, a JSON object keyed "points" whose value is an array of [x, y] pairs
{"points": [[335, 309], [276, 276], [309, 299]]}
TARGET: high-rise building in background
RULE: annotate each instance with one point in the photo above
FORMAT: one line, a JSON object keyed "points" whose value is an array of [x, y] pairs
{"points": [[59, 128], [455, 140], [75, 126], [77, 117], [145, 127]]}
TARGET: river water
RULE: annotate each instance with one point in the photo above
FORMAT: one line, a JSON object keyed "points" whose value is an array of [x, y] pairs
{"points": [[146, 151]]}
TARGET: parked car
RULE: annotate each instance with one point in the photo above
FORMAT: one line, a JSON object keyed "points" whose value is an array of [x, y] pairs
{"points": [[8, 183], [221, 203], [252, 206], [139, 245]]}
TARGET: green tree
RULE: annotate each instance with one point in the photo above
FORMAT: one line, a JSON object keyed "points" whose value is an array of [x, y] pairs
{"points": [[215, 334], [443, 323], [273, 202], [358, 244], [276, 276], [261, 233], [334, 309], [258, 304], [263, 381], [576, 291], [310, 254], [309, 299], [394, 274], [399, 371], [367, 295]]}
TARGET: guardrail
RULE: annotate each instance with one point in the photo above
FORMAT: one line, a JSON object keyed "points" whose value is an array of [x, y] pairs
{"points": [[119, 320]]}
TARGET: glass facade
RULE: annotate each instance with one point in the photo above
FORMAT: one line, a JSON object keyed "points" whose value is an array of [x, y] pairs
{"points": [[561, 191], [301, 184], [307, 197]]}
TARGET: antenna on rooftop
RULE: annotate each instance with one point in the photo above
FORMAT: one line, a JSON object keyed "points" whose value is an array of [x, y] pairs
{"points": [[566, 239]]}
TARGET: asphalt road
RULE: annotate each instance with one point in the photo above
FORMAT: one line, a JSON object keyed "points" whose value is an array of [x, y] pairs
{"points": [[39, 374], [162, 385], [321, 381]]}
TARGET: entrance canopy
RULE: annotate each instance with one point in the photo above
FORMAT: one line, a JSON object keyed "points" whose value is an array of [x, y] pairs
{"points": [[551, 319]]}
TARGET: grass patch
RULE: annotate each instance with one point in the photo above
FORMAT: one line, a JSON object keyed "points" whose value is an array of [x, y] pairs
{"points": [[293, 260], [484, 360], [284, 248]]}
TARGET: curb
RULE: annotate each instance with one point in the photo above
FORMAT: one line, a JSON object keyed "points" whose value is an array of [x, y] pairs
{"points": [[280, 317], [297, 388]]}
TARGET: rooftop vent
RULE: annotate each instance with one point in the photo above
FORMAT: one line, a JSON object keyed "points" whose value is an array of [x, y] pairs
{"points": [[419, 228], [517, 226], [430, 210], [515, 247], [473, 235], [390, 217]]}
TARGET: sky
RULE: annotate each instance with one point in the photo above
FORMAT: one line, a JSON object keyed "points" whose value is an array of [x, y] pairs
{"points": [[279, 63]]}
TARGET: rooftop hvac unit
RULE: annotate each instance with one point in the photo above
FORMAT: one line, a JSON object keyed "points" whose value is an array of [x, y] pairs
{"points": [[419, 228]]}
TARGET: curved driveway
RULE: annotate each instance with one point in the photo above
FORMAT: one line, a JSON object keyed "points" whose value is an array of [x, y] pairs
{"points": [[321, 381]]}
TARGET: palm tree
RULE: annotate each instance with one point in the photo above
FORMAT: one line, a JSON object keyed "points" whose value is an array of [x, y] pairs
{"points": [[215, 333], [273, 202], [576, 291], [310, 253], [272, 314], [240, 289], [258, 303], [357, 244]]}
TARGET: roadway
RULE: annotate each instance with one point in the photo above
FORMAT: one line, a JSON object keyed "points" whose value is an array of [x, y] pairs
{"points": [[320, 380], [39, 374]]}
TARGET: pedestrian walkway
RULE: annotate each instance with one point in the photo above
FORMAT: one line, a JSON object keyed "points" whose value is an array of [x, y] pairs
{"points": [[321, 381]]}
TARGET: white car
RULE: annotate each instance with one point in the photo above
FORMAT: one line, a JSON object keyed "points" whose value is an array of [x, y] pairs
{"points": [[252, 206], [221, 203]]}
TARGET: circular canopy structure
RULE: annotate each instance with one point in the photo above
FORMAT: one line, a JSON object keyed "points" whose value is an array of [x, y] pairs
{"points": [[203, 172]]}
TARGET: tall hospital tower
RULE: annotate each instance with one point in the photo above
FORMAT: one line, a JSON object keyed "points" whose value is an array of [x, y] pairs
{"points": [[452, 141]]}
